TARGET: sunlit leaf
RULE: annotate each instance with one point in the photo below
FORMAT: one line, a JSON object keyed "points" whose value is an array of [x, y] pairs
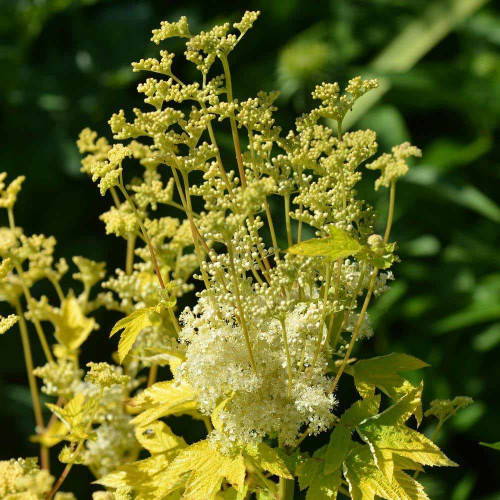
{"points": [[337, 246], [160, 400]]}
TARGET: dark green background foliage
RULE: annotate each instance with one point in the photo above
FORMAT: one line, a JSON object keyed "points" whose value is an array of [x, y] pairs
{"points": [[66, 65]]}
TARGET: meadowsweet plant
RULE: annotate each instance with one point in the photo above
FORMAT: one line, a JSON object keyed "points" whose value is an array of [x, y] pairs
{"points": [[262, 357]]}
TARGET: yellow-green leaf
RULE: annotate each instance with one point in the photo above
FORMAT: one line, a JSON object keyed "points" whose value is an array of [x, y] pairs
{"points": [[53, 435], [366, 481], [157, 437], [72, 327], [361, 410], [140, 478], [205, 468], [338, 448], [325, 487], [337, 246], [162, 399], [74, 416], [132, 325], [397, 414], [311, 475], [383, 372], [268, 459], [388, 440], [340, 439]]}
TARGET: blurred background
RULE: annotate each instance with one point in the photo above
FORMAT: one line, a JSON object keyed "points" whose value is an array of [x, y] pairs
{"points": [[65, 65]]}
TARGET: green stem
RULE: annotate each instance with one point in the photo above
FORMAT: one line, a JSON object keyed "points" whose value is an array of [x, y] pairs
{"points": [[144, 234], [337, 291], [234, 127], [287, 220], [355, 333], [350, 308], [390, 215], [151, 250], [288, 359], [323, 316], [129, 261], [270, 485], [58, 289], [299, 232], [28, 358], [240, 307], [342, 178], [29, 298], [114, 195], [271, 229], [153, 373], [286, 488], [36, 322]]}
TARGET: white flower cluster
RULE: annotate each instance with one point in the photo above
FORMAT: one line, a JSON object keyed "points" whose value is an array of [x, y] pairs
{"points": [[218, 367]]}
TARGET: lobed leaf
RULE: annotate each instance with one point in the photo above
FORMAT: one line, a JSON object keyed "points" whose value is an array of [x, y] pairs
{"points": [[311, 475], [367, 481], [160, 400], [268, 459], [383, 372], [157, 437], [205, 467], [132, 325]]}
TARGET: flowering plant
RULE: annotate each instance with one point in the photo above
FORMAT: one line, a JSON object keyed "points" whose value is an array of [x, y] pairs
{"points": [[260, 356]]}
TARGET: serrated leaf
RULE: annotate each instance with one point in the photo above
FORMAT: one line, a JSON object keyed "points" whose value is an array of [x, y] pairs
{"points": [[337, 246], [405, 463], [74, 416], [383, 259], [157, 437], [340, 439], [68, 456], [167, 301], [163, 356], [311, 475], [366, 480], [361, 410], [325, 487], [387, 436], [72, 327], [142, 477], [205, 467], [132, 325], [383, 372], [403, 408], [53, 435], [311, 468], [267, 459], [386, 440], [162, 399], [338, 448], [292, 460]]}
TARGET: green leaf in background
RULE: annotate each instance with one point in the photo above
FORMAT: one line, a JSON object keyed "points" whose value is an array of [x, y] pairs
{"points": [[495, 446], [416, 39]]}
